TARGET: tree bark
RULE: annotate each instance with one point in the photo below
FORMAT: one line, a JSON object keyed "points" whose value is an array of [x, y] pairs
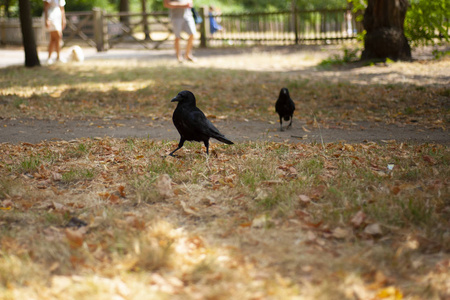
{"points": [[6, 9], [124, 6], [28, 40], [384, 25], [144, 20]]}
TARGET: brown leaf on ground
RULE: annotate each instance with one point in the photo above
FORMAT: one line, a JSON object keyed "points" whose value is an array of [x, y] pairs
{"points": [[59, 207], [164, 186], [373, 229], [304, 198], [429, 159], [56, 176], [341, 233], [75, 237], [358, 219], [260, 221], [190, 210], [122, 191]]}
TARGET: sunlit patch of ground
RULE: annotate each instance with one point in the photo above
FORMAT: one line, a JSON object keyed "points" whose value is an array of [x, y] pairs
{"points": [[254, 220]]}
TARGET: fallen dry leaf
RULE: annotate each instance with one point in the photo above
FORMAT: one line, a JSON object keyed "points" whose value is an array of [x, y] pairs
{"points": [[260, 221], [75, 237], [429, 159], [6, 204], [341, 233], [56, 176], [304, 198], [164, 186], [190, 210], [390, 293], [373, 229], [358, 219]]}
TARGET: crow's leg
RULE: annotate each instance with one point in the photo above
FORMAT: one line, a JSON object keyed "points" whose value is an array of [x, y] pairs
{"points": [[281, 123], [180, 144], [207, 146], [290, 124]]}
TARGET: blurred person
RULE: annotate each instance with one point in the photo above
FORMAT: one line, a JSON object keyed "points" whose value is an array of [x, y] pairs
{"points": [[55, 22], [180, 12], [214, 19]]}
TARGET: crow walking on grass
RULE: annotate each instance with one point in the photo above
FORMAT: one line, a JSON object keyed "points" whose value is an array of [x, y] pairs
{"points": [[285, 107], [192, 124]]}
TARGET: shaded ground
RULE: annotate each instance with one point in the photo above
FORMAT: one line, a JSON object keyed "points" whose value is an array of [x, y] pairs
{"points": [[295, 60], [34, 131]]}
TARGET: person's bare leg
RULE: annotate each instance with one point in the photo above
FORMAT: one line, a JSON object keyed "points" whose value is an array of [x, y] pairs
{"points": [[57, 43], [51, 45], [190, 44], [177, 49]]}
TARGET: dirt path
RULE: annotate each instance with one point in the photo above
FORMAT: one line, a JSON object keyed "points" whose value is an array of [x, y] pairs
{"points": [[34, 131]]}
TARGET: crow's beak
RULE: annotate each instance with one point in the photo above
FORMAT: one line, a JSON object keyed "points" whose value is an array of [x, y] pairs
{"points": [[176, 99]]}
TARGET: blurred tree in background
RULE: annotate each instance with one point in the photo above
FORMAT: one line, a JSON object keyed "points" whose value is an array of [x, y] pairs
{"points": [[425, 20], [11, 6]]}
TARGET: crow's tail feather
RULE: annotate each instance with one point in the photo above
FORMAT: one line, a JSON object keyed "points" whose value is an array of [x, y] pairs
{"points": [[224, 140]]}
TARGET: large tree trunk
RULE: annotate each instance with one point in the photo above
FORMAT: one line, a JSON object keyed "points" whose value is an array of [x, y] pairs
{"points": [[6, 9], [144, 20], [385, 38], [124, 7], [29, 43]]}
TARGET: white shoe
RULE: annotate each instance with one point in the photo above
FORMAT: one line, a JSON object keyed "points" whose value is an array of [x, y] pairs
{"points": [[50, 61]]}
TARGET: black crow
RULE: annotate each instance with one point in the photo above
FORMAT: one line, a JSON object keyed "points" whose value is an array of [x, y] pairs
{"points": [[192, 124], [285, 107]]}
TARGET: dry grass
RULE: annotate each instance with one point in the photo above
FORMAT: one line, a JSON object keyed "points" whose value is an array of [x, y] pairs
{"points": [[255, 220], [144, 89]]}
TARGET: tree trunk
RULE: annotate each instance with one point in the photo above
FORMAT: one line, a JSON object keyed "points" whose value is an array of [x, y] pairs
{"points": [[6, 9], [28, 40], [144, 20], [385, 38], [124, 6]]}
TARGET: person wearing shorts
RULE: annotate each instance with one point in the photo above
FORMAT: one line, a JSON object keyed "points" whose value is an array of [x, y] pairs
{"points": [[182, 20], [55, 22]]}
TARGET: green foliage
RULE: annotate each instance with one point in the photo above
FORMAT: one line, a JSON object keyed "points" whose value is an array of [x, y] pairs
{"points": [[29, 164], [319, 4], [13, 9], [74, 175], [257, 5], [348, 56], [426, 21], [37, 6], [85, 5]]}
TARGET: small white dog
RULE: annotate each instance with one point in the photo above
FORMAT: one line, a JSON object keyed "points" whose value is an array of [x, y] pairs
{"points": [[75, 54]]}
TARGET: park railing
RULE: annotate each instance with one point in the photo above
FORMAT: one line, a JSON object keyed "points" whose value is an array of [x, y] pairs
{"points": [[104, 30], [286, 27]]}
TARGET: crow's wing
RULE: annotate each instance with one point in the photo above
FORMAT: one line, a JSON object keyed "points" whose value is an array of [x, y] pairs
{"points": [[203, 128], [202, 125]]}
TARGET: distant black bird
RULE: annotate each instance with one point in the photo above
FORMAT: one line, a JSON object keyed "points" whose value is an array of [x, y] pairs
{"points": [[192, 124], [285, 107]]}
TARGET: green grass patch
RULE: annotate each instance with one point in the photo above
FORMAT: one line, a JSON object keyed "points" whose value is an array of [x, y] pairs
{"points": [[78, 174], [29, 164]]}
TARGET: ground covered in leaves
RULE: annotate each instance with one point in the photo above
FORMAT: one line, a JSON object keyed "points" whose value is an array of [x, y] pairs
{"points": [[109, 218]]}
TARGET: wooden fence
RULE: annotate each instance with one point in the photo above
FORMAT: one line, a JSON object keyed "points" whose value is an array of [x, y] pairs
{"points": [[151, 30], [10, 33]]}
